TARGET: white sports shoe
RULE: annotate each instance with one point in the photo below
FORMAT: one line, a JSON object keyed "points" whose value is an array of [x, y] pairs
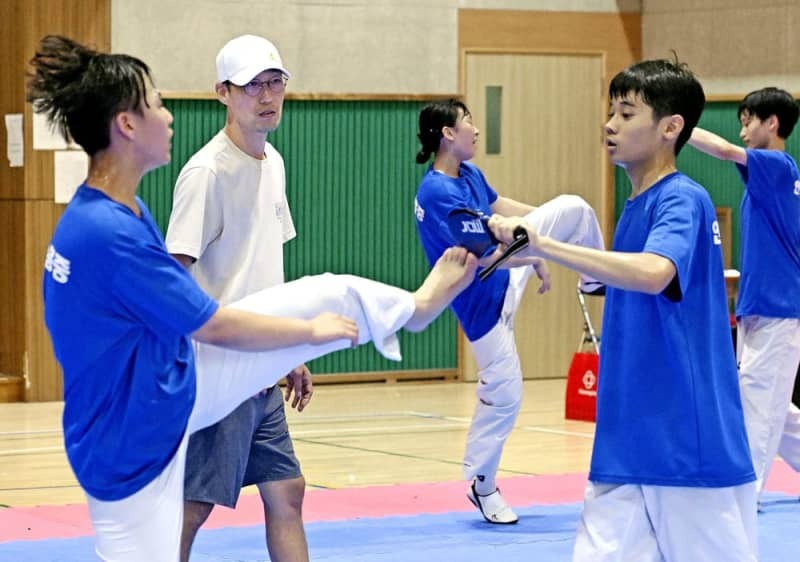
{"points": [[493, 507]]}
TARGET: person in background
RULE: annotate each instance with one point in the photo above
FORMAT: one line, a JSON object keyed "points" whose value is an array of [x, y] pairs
{"points": [[230, 218], [486, 310], [768, 302]]}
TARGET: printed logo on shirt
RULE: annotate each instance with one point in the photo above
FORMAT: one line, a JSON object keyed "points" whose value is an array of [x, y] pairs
{"points": [[797, 188], [418, 210], [279, 208], [717, 235], [473, 226], [57, 265]]}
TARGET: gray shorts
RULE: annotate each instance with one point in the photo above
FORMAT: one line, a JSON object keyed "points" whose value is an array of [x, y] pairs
{"points": [[251, 445]]}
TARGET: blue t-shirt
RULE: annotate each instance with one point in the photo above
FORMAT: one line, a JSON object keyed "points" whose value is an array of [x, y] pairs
{"points": [[478, 307], [669, 411], [770, 221], [119, 308]]}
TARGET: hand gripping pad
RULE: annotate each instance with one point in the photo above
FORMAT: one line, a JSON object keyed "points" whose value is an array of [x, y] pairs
{"points": [[469, 228]]}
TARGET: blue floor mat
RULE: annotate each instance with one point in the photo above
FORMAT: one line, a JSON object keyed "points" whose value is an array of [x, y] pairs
{"points": [[543, 534]]}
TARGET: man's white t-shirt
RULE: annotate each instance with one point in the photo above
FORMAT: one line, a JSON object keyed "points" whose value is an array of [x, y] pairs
{"points": [[230, 213]]}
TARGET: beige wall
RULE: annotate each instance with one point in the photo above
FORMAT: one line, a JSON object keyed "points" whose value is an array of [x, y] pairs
{"points": [[353, 46], [555, 5], [410, 46], [734, 46]]}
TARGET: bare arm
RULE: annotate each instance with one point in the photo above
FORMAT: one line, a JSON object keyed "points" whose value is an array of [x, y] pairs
{"points": [[511, 208], [247, 331], [644, 272], [714, 145]]}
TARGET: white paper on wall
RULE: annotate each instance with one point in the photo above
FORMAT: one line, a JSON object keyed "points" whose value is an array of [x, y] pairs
{"points": [[14, 140], [47, 138], [70, 168]]}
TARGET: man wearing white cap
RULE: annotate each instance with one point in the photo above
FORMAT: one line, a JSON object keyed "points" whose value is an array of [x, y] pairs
{"points": [[229, 221]]}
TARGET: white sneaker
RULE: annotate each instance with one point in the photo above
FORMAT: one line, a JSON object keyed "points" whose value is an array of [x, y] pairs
{"points": [[493, 507]]}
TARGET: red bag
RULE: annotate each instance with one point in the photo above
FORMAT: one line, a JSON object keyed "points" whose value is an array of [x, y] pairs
{"points": [[581, 400]]}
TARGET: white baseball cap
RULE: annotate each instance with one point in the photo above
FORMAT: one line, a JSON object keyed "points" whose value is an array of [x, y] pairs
{"points": [[245, 57]]}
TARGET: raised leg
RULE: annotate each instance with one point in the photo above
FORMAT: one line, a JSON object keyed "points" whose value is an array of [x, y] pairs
{"points": [[226, 377]]}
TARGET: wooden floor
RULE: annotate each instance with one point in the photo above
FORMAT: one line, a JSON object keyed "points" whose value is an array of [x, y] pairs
{"points": [[350, 435]]}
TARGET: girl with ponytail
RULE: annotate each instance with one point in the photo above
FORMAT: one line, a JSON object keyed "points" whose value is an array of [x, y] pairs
{"points": [[486, 308]]}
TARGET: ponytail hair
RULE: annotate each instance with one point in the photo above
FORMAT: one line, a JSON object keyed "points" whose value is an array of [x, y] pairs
{"points": [[81, 90], [432, 118]]}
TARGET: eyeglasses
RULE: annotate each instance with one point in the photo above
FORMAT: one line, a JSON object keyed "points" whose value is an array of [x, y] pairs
{"points": [[254, 88]]}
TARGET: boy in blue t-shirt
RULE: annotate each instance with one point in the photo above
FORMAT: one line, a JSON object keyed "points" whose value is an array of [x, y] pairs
{"points": [[768, 306], [671, 476]]}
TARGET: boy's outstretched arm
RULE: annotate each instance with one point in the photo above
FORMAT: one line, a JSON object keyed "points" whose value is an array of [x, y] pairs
{"points": [[716, 146], [641, 271]]}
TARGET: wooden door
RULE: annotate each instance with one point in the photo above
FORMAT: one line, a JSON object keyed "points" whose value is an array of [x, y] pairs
{"points": [[544, 139]]}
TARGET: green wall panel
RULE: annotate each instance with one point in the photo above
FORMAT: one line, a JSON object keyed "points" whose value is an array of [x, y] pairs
{"points": [[720, 178], [351, 179]]}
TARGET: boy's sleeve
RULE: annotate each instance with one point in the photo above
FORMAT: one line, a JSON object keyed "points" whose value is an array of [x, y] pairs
{"points": [[675, 231], [763, 172]]}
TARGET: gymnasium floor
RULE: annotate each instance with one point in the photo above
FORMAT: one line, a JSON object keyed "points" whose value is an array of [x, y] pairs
{"points": [[382, 463]]}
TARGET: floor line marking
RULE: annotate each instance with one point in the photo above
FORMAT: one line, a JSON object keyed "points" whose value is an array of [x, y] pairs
{"points": [[12, 452]]}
